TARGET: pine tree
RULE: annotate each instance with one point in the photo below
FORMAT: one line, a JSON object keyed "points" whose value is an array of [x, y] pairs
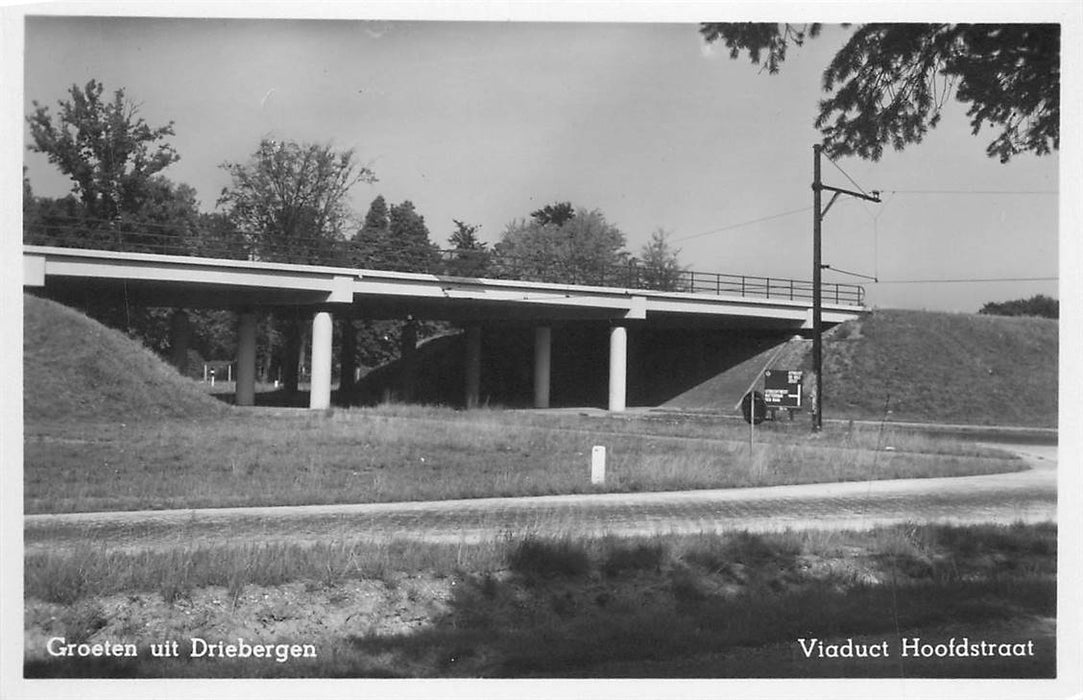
{"points": [[409, 248], [371, 240]]}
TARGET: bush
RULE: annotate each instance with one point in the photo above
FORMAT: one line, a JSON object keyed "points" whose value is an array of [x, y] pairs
{"points": [[641, 557], [549, 558]]}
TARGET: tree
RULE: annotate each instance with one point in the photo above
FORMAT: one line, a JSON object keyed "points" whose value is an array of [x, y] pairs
{"points": [[164, 219], [290, 199], [583, 249], [368, 244], [660, 265], [889, 83], [1038, 305], [409, 248], [391, 238], [108, 151], [394, 238], [556, 214], [472, 256]]}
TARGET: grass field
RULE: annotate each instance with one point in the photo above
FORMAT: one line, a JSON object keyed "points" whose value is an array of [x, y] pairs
{"points": [[731, 605], [398, 453]]}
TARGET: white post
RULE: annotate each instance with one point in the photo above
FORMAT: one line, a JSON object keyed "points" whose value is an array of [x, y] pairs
{"points": [[542, 359], [320, 392], [618, 367], [246, 360], [597, 465]]}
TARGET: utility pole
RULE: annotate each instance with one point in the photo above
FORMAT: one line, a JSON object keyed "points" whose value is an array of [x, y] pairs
{"points": [[817, 269]]}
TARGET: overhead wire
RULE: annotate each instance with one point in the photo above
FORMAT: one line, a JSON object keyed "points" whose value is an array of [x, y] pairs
{"points": [[973, 279], [975, 192], [743, 223]]}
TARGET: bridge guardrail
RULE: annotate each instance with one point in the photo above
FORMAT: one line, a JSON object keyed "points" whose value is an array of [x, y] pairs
{"points": [[193, 241]]}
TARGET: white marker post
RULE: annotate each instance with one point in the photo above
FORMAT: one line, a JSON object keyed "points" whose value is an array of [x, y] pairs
{"points": [[597, 465]]}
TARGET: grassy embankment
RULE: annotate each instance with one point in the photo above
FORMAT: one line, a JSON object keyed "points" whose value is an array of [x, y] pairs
{"points": [[730, 605], [920, 366], [943, 367]]}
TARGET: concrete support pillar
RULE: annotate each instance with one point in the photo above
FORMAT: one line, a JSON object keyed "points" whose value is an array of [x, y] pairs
{"points": [[543, 336], [473, 366], [408, 359], [180, 337], [246, 359], [320, 392], [618, 367]]}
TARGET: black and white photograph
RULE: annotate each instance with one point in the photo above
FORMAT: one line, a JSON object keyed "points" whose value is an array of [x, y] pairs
{"points": [[556, 349]]}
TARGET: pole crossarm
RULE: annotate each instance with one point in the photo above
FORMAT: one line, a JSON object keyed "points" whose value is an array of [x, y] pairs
{"points": [[874, 197]]}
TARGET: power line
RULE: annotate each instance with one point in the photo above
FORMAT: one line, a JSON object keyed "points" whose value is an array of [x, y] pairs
{"points": [[978, 192], [982, 279], [743, 223]]}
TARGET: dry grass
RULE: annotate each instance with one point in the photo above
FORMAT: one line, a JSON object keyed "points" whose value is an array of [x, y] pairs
{"points": [[944, 367], [423, 453], [525, 606]]}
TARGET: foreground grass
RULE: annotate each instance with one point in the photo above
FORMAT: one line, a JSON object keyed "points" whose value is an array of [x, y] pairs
{"points": [[706, 605], [403, 453]]}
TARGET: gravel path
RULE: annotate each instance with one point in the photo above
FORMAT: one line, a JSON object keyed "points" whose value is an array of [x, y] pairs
{"points": [[1029, 496]]}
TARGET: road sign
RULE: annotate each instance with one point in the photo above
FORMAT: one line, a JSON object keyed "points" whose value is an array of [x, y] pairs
{"points": [[753, 408], [782, 388]]}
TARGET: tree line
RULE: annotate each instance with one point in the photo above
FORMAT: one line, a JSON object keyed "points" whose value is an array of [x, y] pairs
{"points": [[288, 202]]}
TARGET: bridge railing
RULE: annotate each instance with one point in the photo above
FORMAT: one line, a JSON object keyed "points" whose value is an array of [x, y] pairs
{"points": [[193, 241]]}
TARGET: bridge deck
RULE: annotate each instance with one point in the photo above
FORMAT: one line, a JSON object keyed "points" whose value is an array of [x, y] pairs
{"points": [[189, 281]]}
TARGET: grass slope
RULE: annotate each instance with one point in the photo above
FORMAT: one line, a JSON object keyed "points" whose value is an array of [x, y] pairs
{"points": [[946, 367], [723, 392], [76, 368], [921, 366]]}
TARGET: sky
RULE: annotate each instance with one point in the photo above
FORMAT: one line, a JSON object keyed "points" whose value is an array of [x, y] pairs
{"points": [[486, 121]]}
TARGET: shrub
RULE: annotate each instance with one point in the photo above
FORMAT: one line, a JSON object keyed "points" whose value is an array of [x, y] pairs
{"points": [[549, 558]]}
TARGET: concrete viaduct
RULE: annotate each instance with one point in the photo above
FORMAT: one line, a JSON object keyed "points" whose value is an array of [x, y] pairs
{"points": [[245, 286]]}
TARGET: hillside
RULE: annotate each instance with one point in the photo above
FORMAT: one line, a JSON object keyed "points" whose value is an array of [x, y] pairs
{"points": [[723, 391], [919, 365], [74, 367], [946, 367]]}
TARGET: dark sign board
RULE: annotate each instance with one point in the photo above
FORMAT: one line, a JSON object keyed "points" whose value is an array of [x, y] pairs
{"points": [[782, 388]]}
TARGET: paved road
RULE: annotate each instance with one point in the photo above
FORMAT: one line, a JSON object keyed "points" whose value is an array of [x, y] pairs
{"points": [[1029, 496]]}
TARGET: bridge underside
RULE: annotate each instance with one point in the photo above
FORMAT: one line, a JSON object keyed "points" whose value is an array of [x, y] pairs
{"points": [[631, 323]]}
